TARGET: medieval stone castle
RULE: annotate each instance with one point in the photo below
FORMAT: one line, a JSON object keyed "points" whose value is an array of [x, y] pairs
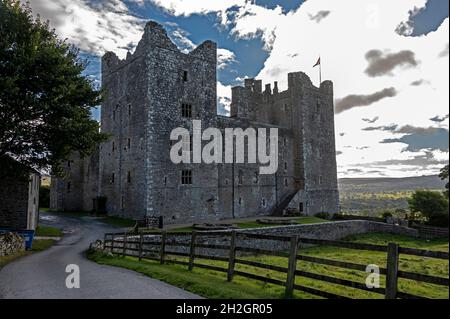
{"points": [[159, 88]]}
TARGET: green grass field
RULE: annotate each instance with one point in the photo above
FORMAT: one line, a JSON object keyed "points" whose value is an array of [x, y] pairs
{"points": [[212, 284]]}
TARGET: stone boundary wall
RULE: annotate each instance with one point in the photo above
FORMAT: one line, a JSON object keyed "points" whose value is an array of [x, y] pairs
{"points": [[326, 231], [334, 230], [11, 243]]}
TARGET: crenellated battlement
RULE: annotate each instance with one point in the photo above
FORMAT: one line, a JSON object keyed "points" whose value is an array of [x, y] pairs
{"points": [[155, 36], [270, 105]]}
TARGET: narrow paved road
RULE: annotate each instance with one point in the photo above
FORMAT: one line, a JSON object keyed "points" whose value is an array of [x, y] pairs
{"points": [[42, 275]]}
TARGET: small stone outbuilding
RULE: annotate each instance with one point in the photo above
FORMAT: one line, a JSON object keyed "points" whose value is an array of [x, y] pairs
{"points": [[19, 195]]}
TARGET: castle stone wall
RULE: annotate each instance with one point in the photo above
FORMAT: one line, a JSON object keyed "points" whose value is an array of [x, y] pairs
{"points": [[144, 98]]}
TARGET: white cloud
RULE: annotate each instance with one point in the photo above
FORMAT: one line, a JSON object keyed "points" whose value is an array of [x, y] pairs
{"points": [[223, 98], [248, 21], [251, 21], [181, 39], [97, 27], [224, 58], [189, 7]]}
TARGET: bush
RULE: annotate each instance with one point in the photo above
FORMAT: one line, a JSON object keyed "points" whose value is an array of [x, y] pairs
{"points": [[323, 215], [439, 220], [432, 205], [387, 214], [338, 216]]}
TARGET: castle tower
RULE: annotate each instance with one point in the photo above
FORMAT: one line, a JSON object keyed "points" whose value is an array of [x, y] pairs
{"points": [[152, 92]]}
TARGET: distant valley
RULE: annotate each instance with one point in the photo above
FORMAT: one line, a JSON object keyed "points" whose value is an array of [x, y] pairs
{"points": [[372, 196]]}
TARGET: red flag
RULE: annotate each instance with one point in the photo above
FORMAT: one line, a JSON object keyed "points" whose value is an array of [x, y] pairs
{"points": [[318, 63]]}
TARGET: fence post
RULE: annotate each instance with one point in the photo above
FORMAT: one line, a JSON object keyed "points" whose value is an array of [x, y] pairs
{"points": [[163, 247], [104, 242], [141, 243], [112, 244], [124, 249], [192, 251], [392, 271], [292, 267], [232, 257]]}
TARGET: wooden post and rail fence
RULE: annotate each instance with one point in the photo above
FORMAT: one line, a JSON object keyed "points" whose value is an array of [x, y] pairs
{"points": [[121, 244]]}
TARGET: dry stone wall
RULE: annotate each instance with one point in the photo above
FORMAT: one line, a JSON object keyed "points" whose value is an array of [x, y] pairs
{"points": [[11, 243]]}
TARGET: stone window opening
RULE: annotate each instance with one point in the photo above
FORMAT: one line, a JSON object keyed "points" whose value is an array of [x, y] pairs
{"points": [[185, 76], [320, 180], [301, 207], [68, 164], [129, 177], [165, 180], [114, 115], [122, 202], [186, 177], [256, 177], [285, 166], [113, 146], [263, 202], [240, 201], [286, 183], [69, 187], [129, 109], [113, 177], [186, 110], [129, 143]]}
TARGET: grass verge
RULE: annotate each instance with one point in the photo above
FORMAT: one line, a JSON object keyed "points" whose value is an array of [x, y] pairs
{"points": [[38, 245], [212, 284], [300, 221], [48, 231]]}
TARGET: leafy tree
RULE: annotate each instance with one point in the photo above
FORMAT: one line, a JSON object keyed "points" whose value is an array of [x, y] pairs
{"points": [[444, 176], [432, 205], [45, 102]]}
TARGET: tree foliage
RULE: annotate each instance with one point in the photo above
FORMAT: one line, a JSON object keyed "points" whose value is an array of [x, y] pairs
{"points": [[432, 205], [45, 101], [444, 176]]}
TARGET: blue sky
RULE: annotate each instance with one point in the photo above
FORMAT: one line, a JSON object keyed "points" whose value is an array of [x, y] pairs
{"points": [[268, 39]]}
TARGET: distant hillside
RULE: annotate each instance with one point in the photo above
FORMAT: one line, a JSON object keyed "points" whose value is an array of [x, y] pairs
{"points": [[372, 196], [376, 185]]}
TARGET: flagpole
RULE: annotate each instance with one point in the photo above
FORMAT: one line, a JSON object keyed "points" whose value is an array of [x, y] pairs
{"points": [[320, 73], [319, 63]]}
